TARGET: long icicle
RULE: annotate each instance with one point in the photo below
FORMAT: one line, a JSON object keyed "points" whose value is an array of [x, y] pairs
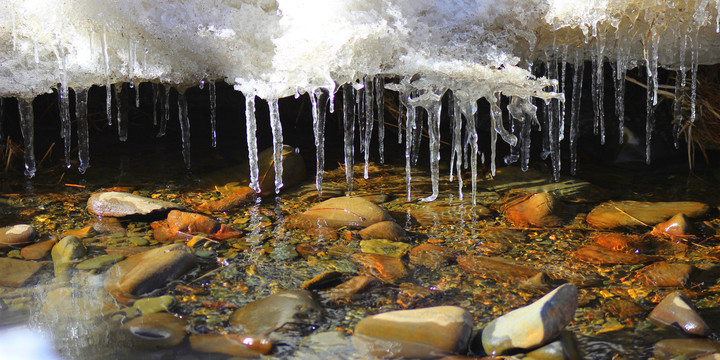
{"points": [[82, 130], [651, 63], [184, 128], [575, 110], [470, 111], [319, 100], [277, 135], [434, 111], [497, 125], [155, 103], [251, 136], [369, 102], [213, 120], [457, 150], [108, 85], [349, 132], [409, 136], [166, 111], [121, 97], [27, 126], [380, 103]]}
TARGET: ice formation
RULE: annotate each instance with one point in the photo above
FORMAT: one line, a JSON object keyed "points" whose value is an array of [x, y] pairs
{"points": [[422, 49]]}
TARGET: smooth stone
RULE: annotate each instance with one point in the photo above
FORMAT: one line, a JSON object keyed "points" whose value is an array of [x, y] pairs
{"points": [[64, 254], [99, 262], [665, 274], [678, 225], [614, 214], [155, 331], [38, 250], [293, 169], [106, 225], [82, 233], [623, 308], [675, 310], [684, 348], [536, 210], [496, 268], [619, 242], [231, 344], [419, 333], [715, 356], [384, 247], [154, 305], [430, 256], [119, 204], [238, 196], [436, 212], [387, 269], [599, 255], [139, 241], [565, 348], [147, 271], [347, 290], [15, 273], [181, 225], [346, 211], [388, 230], [289, 307], [533, 325], [16, 235]]}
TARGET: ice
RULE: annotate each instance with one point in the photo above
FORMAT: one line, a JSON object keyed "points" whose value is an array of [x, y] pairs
{"points": [[369, 102], [380, 103], [277, 136], [434, 111], [251, 134], [166, 112], [213, 120], [185, 128], [575, 110], [121, 98], [456, 155], [155, 103], [598, 90], [108, 85], [27, 126], [348, 134], [319, 100], [82, 130], [65, 121]]}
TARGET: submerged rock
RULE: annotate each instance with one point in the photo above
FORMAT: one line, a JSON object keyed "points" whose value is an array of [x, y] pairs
{"points": [[99, 262], [231, 344], [614, 214], [496, 268], [155, 331], [619, 242], [38, 250], [384, 268], [238, 196], [388, 230], [539, 209], [15, 273], [419, 333], [64, 254], [349, 288], [430, 256], [565, 348], [675, 310], [16, 235], [600, 255], [678, 225], [384, 247], [181, 225], [145, 272], [154, 305], [665, 274], [346, 211], [532, 325], [119, 204], [684, 348], [293, 169], [286, 308]]}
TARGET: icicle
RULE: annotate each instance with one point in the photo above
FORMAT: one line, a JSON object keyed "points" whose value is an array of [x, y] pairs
{"points": [[277, 142], [137, 96], [154, 102], [213, 120], [409, 139], [561, 89], [515, 111], [251, 135], [575, 110], [202, 84], [470, 111], [530, 116], [369, 102], [64, 102], [620, 70], [82, 130], [184, 128], [166, 112], [91, 37], [651, 63], [457, 151], [495, 118], [349, 132], [400, 117], [693, 78], [598, 91], [14, 33], [380, 102], [131, 61], [434, 111], [108, 86], [121, 99], [319, 99], [27, 127], [417, 133]]}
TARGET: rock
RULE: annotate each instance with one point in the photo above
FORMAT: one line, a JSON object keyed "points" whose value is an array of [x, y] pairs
{"points": [[154, 305], [495, 268], [565, 348], [348, 289], [430, 256], [107, 225], [537, 210], [676, 310], [84, 232], [324, 280], [64, 254], [231, 344], [533, 325], [38, 250], [284, 252], [384, 247], [623, 308], [15, 273], [181, 225], [16, 235], [613, 214], [443, 213], [238, 196], [345, 211], [678, 225], [619, 242], [665, 274], [283, 309], [384, 268], [139, 241], [293, 169], [119, 204], [155, 331], [307, 250], [715, 356], [684, 348], [99, 262], [388, 230], [419, 333], [410, 295], [145, 272], [600, 255]]}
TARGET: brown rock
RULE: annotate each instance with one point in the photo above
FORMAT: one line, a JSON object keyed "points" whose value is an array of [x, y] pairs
{"points": [[600, 255], [38, 250], [665, 274], [678, 225], [388, 230], [684, 348], [443, 213], [181, 225], [677, 311], [430, 256], [532, 210], [293, 169], [323, 233], [612, 214], [345, 211], [348, 289], [384, 268], [155, 331], [238, 196], [619, 242], [119, 204], [15, 273], [623, 308], [106, 225], [495, 268], [145, 272], [306, 250], [231, 344], [284, 309], [82, 232], [16, 235]]}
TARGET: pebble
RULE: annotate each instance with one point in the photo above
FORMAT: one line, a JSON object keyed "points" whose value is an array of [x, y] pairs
{"points": [[419, 333], [613, 214], [293, 169], [66, 253], [536, 210], [181, 225], [388, 230], [15, 273], [99, 262], [349, 288], [238, 196], [147, 271], [289, 308], [155, 304], [600, 255], [385, 247], [684, 348], [120, 204], [106, 225], [231, 344], [38, 250], [430, 256], [533, 325], [619, 242], [665, 274], [495, 268], [155, 331], [675, 310], [678, 225], [346, 211], [387, 269], [16, 235], [623, 308]]}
